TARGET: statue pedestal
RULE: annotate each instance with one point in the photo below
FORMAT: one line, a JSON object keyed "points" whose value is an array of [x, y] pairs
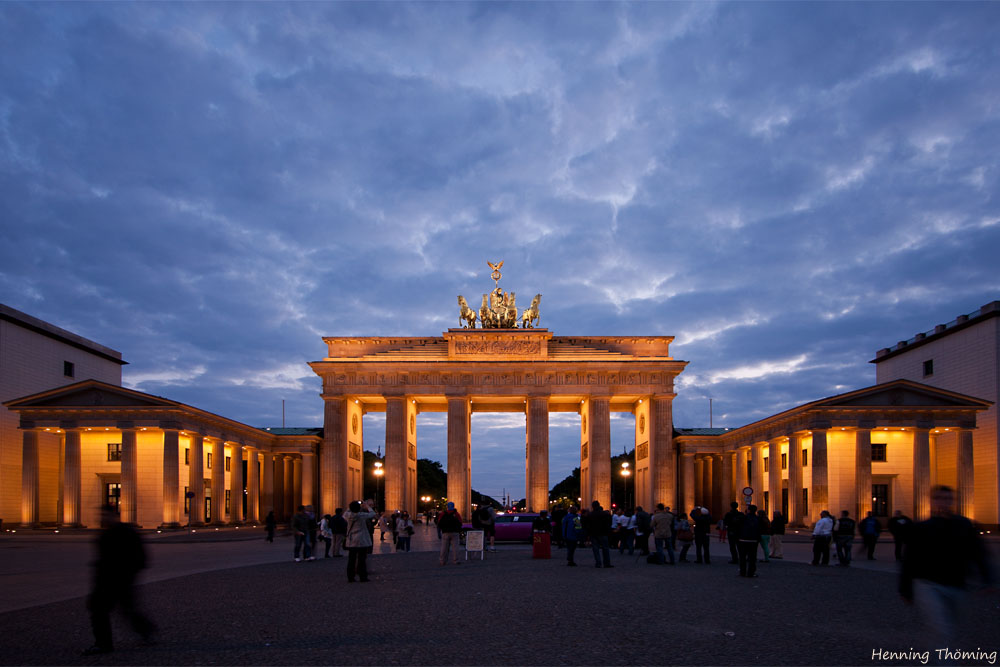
{"points": [[505, 344]]}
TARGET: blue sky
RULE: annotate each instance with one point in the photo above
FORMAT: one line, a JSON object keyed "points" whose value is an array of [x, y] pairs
{"points": [[786, 188]]}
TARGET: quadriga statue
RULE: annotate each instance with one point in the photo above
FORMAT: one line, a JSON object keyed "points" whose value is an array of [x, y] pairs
{"points": [[466, 314], [529, 318]]}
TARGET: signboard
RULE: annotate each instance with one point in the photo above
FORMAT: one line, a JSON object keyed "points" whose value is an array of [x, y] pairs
{"points": [[474, 541]]}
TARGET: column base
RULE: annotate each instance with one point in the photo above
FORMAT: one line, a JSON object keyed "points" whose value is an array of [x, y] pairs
{"points": [[219, 522], [30, 526], [70, 526], [196, 524], [170, 526]]}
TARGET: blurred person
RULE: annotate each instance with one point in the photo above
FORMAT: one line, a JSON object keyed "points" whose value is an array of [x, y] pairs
{"points": [[326, 534], [765, 534], [270, 524], [869, 529], [843, 536], [822, 534], [899, 527], [598, 528], [643, 530], [777, 535], [358, 539], [404, 528], [683, 534], [627, 527], [300, 530]]}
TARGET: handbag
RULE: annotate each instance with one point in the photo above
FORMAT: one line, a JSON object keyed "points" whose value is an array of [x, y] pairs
{"points": [[685, 535]]}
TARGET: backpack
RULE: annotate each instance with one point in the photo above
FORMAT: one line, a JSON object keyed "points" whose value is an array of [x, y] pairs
{"points": [[449, 523]]}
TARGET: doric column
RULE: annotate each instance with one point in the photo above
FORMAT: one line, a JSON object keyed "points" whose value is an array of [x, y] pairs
{"points": [[279, 487], [171, 478], [728, 482], [757, 470], [600, 451], [253, 486], [740, 471], [196, 480], [863, 470], [537, 458], [459, 464], [267, 495], [297, 482], [921, 474], [716, 503], [130, 476], [706, 481], [661, 450], [333, 458], [308, 478], [71, 479], [395, 453], [290, 505], [796, 512], [699, 481], [689, 482], [773, 476], [819, 494], [29, 478], [236, 484], [966, 479], [219, 481]]}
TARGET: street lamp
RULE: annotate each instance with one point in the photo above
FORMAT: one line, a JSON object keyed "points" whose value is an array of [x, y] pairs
{"points": [[378, 479], [625, 473]]}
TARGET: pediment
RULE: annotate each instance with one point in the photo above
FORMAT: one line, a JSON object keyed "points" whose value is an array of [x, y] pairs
{"points": [[903, 394], [90, 394]]}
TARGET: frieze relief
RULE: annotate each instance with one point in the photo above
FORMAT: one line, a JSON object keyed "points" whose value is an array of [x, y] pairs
{"points": [[498, 347]]}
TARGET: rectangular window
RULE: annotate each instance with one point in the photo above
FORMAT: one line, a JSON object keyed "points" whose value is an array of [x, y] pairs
{"points": [[878, 451], [228, 494], [114, 451], [805, 501], [805, 458], [68, 369], [187, 501], [227, 463], [187, 456], [113, 495], [784, 461], [766, 466], [208, 460], [928, 367]]}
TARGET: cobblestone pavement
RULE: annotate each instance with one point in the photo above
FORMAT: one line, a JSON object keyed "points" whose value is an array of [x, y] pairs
{"points": [[508, 609]]}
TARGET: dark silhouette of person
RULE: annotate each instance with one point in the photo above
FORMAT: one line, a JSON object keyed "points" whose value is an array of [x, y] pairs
{"points": [[270, 523], [120, 558]]}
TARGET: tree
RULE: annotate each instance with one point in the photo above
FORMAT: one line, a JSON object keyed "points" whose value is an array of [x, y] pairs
{"points": [[568, 488]]}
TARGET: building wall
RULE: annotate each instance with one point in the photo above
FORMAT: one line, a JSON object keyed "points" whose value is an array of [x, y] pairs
{"points": [[965, 361], [30, 363]]}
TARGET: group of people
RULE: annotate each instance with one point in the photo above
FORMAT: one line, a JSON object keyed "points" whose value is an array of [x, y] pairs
{"points": [[842, 531], [399, 525]]}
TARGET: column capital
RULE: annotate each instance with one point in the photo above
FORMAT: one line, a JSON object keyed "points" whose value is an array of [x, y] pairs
{"points": [[126, 426]]}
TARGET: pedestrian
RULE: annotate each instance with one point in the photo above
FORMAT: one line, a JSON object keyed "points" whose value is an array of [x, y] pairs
{"points": [[684, 535], [542, 523], [358, 539], [721, 528], [765, 534], [450, 524], [572, 532], [702, 527], [939, 553], [383, 526], [393, 521], [558, 513], [404, 528], [869, 529], [615, 536], [899, 527], [731, 520], [598, 529], [120, 558], [627, 527], [270, 523], [490, 526], [313, 528], [643, 530], [843, 536], [822, 534], [300, 530], [749, 538], [662, 524], [326, 534], [338, 526], [777, 535]]}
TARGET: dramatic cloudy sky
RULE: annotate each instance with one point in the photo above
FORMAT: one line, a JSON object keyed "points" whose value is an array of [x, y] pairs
{"points": [[786, 188]]}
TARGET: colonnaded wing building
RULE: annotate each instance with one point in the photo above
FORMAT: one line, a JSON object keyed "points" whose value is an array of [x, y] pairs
{"points": [[72, 438]]}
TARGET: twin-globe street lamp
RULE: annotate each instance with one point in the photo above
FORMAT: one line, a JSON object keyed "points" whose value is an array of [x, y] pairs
{"points": [[378, 479], [625, 475]]}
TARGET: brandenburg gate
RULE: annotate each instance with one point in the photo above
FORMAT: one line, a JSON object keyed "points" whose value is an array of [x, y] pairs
{"points": [[497, 368]]}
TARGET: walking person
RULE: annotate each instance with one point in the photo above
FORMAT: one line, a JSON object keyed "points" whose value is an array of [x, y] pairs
{"points": [[749, 538], [404, 528], [120, 558], [300, 530], [899, 527], [843, 536], [662, 525], [684, 535], [822, 534], [572, 532], [869, 529], [270, 524], [338, 526], [358, 539], [733, 518], [777, 535], [765, 534], [326, 534], [702, 527], [598, 529], [643, 530], [450, 524]]}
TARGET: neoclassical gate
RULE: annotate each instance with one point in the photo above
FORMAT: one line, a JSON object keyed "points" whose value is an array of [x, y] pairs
{"points": [[497, 370]]}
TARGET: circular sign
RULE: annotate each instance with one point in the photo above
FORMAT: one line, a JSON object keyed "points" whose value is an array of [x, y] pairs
{"points": [[413, 424], [747, 491], [642, 424], [354, 424]]}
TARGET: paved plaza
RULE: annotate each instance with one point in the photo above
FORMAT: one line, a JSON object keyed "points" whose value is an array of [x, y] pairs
{"points": [[231, 598]]}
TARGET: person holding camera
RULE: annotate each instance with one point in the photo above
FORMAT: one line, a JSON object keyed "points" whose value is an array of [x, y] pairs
{"points": [[359, 539]]}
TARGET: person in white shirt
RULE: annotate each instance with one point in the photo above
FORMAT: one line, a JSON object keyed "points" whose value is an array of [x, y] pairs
{"points": [[822, 534]]}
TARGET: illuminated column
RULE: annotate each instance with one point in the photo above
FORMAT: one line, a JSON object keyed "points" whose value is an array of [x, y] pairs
{"points": [[740, 471], [253, 486], [279, 487], [757, 470], [699, 481], [410, 497], [966, 480], [130, 476], [236, 484], [819, 494], [395, 453], [716, 504], [171, 478], [290, 504], [297, 482], [459, 424], [728, 482], [333, 456], [687, 481], [586, 493], [29, 478], [267, 496], [661, 450], [71, 479], [537, 458], [796, 512], [863, 470], [774, 476], [921, 474], [706, 481], [308, 479], [219, 482], [196, 480], [600, 451]]}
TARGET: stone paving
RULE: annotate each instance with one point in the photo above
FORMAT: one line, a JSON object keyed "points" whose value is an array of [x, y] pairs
{"points": [[508, 609]]}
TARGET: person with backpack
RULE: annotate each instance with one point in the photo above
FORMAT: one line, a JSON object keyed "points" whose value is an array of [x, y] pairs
{"points": [[870, 529], [450, 524], [683, 534]]}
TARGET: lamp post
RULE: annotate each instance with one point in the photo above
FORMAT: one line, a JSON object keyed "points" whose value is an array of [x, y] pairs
{"points": [[378, 480], [625, 474]]}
